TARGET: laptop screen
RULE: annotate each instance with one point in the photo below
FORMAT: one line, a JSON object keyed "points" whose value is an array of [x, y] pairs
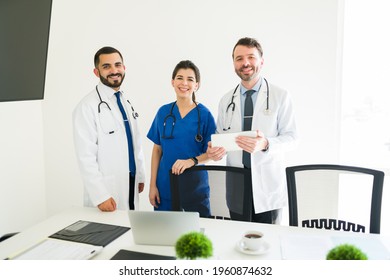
{"points": [[161, 227]]}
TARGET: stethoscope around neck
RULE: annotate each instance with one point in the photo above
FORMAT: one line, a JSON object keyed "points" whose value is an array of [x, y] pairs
{"points": [[232, 106], [198, 136], [102, 102]]}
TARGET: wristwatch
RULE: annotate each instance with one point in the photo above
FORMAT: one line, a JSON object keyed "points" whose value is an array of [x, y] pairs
{"points": [[195, 160]]}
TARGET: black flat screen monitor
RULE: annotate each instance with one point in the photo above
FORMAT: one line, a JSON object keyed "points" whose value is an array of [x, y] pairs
{"points": [[24, 31]]}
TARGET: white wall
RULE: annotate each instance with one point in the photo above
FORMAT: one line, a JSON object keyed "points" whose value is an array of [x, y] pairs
{"points": [[299, 38], [22, 176]]}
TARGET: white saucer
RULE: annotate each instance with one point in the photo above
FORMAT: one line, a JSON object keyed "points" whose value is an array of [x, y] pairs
{"points": [[262, 250]]}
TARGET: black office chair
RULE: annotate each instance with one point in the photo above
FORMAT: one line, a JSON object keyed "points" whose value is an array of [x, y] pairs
{"points": [[7, 235], [230, 191], [335, 197]]}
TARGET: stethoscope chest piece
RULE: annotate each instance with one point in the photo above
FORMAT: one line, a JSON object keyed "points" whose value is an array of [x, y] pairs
{"points": [[104, 103], [267, 112], [198, 136], [231, 106]]}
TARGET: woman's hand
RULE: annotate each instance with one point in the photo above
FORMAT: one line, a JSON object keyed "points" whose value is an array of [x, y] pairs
{"points": [[182, 164], [215, 153], [154, 196]]}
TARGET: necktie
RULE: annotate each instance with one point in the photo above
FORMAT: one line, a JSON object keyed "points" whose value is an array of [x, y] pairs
{"points": [[248, 115], [128, 134]]}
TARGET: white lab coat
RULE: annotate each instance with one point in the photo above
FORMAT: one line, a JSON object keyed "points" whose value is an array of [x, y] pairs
{"points": [[268, 170], [101, 148]]}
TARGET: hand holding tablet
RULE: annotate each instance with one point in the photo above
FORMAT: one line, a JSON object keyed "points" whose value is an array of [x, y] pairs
{"points": [[228, 140]]}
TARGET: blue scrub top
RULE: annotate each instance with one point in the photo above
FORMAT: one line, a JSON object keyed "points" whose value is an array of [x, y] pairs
{"points": [[179, 143]]}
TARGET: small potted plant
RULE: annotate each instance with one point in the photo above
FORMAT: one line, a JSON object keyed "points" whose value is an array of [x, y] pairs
{"points": [[346, 252], [193, 245]]}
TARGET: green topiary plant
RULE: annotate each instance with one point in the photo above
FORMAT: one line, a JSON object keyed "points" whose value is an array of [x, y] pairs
{"points": [[193, 245], [346, 252]]}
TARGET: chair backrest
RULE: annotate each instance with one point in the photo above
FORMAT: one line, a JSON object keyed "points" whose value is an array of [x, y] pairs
{"points": [[230, 190], [7, 235], [335, 197]]}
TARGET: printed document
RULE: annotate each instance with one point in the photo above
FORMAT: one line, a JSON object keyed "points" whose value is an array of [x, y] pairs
{"points": [[56, 249]]}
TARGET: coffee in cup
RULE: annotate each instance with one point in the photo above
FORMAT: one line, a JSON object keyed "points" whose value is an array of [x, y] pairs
{"points": [[252, 240]]}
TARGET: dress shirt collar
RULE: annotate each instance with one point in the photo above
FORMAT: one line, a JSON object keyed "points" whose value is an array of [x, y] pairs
{"points": [[256, 87], [107, 91]]}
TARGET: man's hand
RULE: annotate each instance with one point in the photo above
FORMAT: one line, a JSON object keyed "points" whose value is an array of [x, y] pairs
{"points": [[141, 187], [108, 206], [252, 144]]}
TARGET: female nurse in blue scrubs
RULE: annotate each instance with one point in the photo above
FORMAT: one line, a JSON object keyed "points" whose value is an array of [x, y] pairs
{"points": [[180, 132]]}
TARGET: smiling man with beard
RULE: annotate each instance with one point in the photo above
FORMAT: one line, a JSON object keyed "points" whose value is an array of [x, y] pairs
{"points": [[255, 104], [107, 139]]}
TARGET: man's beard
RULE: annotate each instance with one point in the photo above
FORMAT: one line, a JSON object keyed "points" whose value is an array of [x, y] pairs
{"points": [[246, 77], [115, 84]]}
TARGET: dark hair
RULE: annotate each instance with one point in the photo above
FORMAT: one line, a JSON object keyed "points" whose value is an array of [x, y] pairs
{"points": [[250, 43], [105, 50], [187, 64]]}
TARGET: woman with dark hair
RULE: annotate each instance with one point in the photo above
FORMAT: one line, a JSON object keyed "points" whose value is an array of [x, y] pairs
{"points": [[180, 132]]}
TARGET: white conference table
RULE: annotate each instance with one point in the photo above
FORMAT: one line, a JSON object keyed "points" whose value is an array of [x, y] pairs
{"points": [[285, 242]]}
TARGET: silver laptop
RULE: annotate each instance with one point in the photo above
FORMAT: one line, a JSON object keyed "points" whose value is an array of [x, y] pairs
{"points": [[161, 227]]}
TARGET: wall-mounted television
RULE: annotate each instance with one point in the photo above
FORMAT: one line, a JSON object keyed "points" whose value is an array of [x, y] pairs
{"points": [[24, 38]]}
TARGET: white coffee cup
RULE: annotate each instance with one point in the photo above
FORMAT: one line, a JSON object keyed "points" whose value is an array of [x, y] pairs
{"points": [[252, 240]]}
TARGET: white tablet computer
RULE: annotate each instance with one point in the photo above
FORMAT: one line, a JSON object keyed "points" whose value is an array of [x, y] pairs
{"points": [[228, 140]]}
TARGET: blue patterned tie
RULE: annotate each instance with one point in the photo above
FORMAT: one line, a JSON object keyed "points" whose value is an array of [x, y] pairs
{"points": [[248, 115], [128, 134]]}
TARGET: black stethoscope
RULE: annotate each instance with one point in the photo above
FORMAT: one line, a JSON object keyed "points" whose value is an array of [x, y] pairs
{"points": [[133, 112], [232, 105], [198, 136]]}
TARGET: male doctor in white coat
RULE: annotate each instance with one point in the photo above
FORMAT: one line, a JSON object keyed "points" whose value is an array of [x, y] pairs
{"points": [[272, 117], [109, 153]]}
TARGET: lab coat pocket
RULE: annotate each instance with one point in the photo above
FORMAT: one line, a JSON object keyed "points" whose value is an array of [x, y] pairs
{"points": [[107, 121]]}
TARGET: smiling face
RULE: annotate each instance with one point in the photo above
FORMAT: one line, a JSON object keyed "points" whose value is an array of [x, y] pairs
{"points": [[247, 63], [110, 70], [185, 83]]}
